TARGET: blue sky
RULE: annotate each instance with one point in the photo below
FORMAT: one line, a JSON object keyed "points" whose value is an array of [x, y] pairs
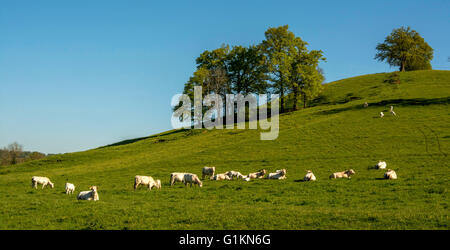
{"points": [[81, 74]]}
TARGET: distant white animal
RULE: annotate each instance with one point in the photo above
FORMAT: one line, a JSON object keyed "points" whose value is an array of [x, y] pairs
{"points": [[366, 105], [381, 114], [219, 177], [35, 180], [208, 171], [185, 178], [309, 176], [92, 194], [146, 181], [390, 175], [392, 111], [70, 188], [381, 165], [343, 174], [192, 179], [246, 178], [233, 174], [279, 175], [257, 175]]}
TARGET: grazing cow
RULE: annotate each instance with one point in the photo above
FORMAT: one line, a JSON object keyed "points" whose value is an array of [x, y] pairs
{"points": [[343, 174], [233, 174], [278, 175], [392, 111], [260, 174], [192, 179], [309, 176], [208, 171], [185, 178], [70, 188], [381, 114], [146, 181], [366, 105], [381, 165], [390, 175], [89, 195], [35, 180], [219, 177]]}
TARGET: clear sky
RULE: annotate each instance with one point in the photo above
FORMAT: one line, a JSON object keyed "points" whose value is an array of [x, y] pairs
{"points": [[82, 74]]}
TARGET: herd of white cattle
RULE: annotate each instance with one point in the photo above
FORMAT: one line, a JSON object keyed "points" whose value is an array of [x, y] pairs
{"points": [[192, 179]]}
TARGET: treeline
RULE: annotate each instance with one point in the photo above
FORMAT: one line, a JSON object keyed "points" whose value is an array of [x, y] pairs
{"points": [[280, 64], [13, 154]]}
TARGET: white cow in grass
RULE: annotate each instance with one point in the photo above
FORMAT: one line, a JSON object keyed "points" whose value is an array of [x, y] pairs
{"points": [[90, 195], [279, 175], [208, 172], [35, 180], [233, 174], [70, 188], [392, 111], [146, 181], [390, 175], [309, 176], [185, 178], [381, 165], [343, 174]]}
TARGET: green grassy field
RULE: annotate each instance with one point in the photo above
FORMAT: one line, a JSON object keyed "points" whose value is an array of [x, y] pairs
{"points": [[334, 135]]}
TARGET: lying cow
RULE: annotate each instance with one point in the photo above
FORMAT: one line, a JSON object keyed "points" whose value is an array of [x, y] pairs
{"points": [[90, 195], [220, 177], [390, 175], [343, 174], [381, 165], [278, 175], [233, 174], [208, 171], [35, 180], [309, 176], [257, 175]]}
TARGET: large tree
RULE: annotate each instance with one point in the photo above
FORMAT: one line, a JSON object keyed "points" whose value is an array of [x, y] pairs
{"points": [[406, 49], [279, 49]]}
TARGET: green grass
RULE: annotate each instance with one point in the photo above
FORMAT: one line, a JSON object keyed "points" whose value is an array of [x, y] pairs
{"points": [[334, 135]]}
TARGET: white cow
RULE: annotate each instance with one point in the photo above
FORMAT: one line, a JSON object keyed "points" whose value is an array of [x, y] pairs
{"points": [[70, 188], [390, 175], [309, 176], [147, 181], [35, 180], [343, 174], [381, 165], [381, 114], [208, 171], [185, 178], [259, 174], [366, 105], [219, 177], [233, 174], [279, 175], [90, 195]]}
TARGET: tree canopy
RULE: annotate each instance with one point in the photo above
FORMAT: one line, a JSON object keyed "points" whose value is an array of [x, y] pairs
{"points": [[406, 49]]}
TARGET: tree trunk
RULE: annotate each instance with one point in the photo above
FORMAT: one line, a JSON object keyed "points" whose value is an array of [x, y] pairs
{"points": [[304, 100], [282, 99], [402, 66], [295, 98]]}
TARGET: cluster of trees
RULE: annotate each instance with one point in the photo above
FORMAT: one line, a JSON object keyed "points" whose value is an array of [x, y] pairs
{"points": [[13, 154], [406, 49], [280, 64]]}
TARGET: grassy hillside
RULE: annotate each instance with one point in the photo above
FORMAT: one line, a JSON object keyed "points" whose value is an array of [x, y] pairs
{"points": [[334, 135]]}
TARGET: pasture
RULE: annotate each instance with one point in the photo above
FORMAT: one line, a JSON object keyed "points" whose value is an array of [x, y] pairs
{"points": [[336, 134]]}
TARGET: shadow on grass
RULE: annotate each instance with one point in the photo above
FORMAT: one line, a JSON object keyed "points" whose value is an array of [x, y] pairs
{"points": [[396, 102], [125, 142]]}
